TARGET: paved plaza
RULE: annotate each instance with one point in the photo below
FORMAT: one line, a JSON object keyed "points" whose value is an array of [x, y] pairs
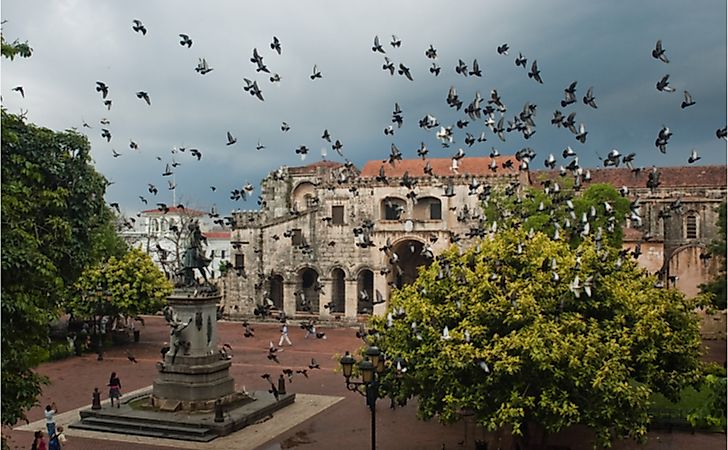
{"points": [[324, 416]]}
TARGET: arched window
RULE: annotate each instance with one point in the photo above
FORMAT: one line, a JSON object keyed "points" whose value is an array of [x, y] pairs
{"points": [[365, 292], [393, 208], [338, 291], [691, 226], [428, 208]]}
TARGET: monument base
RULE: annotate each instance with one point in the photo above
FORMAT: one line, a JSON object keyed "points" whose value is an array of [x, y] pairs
{"points": [[137, 416]]}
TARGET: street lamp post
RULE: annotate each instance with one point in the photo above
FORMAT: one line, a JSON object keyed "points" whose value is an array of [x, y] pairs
{"points": [[370, 368]]}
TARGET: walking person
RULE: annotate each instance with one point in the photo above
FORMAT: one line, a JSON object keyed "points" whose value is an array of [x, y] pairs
{"points": [[115, 390], [50, 413], [284, 335]]}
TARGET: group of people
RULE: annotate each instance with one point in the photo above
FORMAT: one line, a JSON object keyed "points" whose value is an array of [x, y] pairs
{"points": [[56, 436]]}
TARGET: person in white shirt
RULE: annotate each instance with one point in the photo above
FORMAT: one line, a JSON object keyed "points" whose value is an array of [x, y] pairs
{"points": [[49, 413], [284, 335]]}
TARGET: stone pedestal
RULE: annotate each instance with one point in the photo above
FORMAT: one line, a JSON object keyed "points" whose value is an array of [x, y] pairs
{"points": [[193, 375]]}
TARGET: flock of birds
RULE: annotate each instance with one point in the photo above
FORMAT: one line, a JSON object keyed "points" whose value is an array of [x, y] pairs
{"points": [[490, 111]]}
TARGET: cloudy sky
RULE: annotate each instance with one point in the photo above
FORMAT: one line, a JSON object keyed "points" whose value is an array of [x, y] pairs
{"points": [[602, 44]]}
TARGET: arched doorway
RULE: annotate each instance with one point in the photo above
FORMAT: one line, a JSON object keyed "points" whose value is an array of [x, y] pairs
{"points": [[275, 290], [404, 266], [365, 292], [338, 291], [307, 292]]}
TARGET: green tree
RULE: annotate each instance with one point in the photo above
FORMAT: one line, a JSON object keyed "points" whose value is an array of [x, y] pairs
{"points": [[52, 206], [129, 286], [16, 48], [716, 290], [531, 346], [556, 206]]}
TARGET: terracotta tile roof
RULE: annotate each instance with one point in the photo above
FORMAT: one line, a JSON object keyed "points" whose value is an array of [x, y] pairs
{"points": [[175, 210], [440, 167], [217, 235], [671, 177], [311, 168]]}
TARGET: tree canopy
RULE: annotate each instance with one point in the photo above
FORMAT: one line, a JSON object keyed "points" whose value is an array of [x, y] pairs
{"points": [[526, 330], [128, 286], [556, 209], [52, 210]]}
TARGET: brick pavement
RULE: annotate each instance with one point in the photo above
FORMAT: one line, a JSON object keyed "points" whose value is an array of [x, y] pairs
{"points": [[345, 424]]}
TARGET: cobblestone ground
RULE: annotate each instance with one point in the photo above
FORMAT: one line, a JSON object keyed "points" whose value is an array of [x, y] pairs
{"points": [[346, 424]]}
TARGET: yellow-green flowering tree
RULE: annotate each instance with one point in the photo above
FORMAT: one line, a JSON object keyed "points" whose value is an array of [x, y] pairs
{"points": [[539, 336], [128, 286]]}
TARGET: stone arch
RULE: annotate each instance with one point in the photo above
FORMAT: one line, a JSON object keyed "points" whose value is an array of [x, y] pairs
{"points": [[365, 291], [302, 195], [338, 290], [392, 207], [686, 271], [308, 289], [404, 270]]}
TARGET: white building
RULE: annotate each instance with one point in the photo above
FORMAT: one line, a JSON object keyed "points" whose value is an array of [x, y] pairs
{"points": [[163, 235]]}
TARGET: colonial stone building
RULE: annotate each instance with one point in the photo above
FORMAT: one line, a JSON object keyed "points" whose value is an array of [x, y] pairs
{"points": [[316, 247]]}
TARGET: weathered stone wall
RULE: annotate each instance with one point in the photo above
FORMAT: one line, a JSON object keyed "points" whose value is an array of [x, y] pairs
{"points": [[303, 199]]}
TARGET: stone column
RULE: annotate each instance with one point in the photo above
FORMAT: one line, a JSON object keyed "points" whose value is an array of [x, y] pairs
{"points": [[289, 298], [351, 300], [325, 313]]}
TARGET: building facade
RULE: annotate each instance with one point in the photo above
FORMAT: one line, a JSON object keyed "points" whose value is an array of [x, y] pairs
{"points": [[323, 241]]}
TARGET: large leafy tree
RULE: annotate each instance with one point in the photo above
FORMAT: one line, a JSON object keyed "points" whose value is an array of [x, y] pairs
{"points": [[52, 210], [716, 289], [529, 346], [126, 286], [555, 208]]}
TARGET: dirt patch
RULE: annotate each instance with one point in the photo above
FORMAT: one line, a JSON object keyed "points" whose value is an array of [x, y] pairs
{"points": [[297, 439]]}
